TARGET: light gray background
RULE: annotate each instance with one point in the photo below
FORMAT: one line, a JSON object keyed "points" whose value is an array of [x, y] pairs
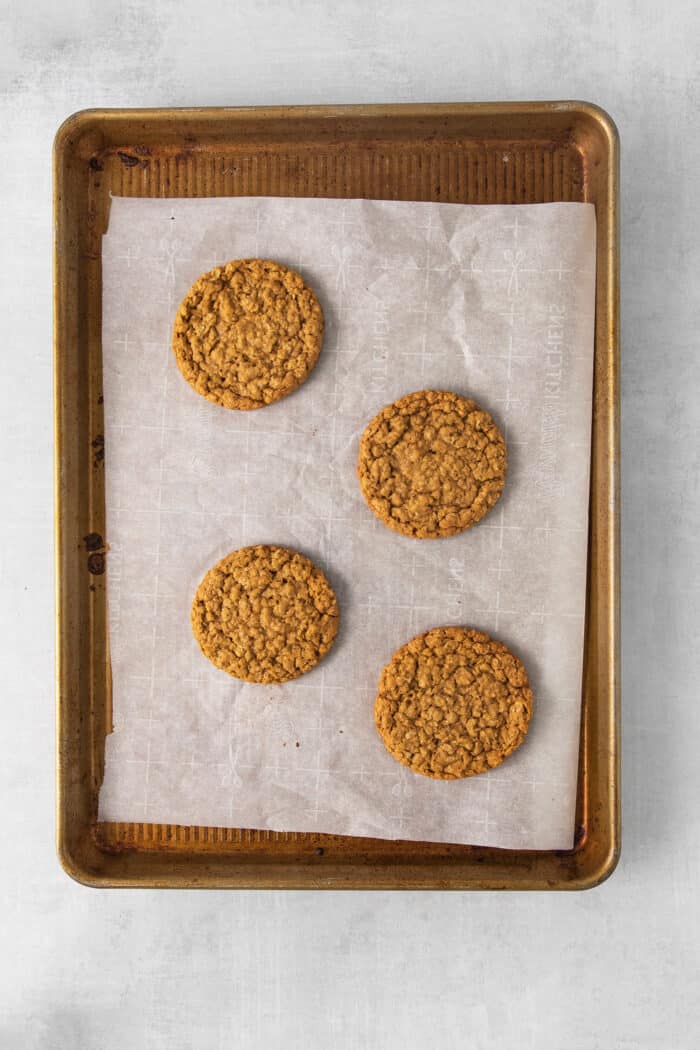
{"points": [[615, 968]]}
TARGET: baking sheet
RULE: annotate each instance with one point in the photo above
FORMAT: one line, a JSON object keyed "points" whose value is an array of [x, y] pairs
{"points": [[494, 302]]}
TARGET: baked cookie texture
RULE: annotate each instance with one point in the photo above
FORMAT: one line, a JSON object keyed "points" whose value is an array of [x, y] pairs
{"points": [[248, 333], [452, 703], [431, 464], [265, 614]]}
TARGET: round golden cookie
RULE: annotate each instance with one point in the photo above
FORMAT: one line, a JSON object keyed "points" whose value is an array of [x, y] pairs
{"points": [[248, 333], [452, 703], [431, 464], [265, 614]]}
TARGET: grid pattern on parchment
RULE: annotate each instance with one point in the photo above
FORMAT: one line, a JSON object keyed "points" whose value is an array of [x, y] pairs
{"points": [[494, 302]]}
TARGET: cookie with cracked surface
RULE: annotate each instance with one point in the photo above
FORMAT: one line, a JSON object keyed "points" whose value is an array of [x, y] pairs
{"points": [[248, 333], [453, 702], [265, 614], [431, 464]]}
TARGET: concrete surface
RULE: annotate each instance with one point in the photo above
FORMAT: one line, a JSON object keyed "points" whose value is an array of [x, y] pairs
{"points": [[615, 968]]}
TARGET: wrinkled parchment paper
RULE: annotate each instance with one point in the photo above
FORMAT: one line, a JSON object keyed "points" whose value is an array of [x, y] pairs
{"points": [[494, 302]]}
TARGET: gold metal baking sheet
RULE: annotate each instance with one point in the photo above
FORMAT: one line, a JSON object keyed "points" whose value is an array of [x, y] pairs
{"points": [[474, 153]]}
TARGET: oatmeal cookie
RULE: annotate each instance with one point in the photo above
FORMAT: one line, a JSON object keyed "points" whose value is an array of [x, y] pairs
{"points": [[248, 333], [452, 703], [265, 614], [431, 464]]}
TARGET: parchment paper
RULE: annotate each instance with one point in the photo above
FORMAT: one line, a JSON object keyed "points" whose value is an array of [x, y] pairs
{"points": [[494, 302]]}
